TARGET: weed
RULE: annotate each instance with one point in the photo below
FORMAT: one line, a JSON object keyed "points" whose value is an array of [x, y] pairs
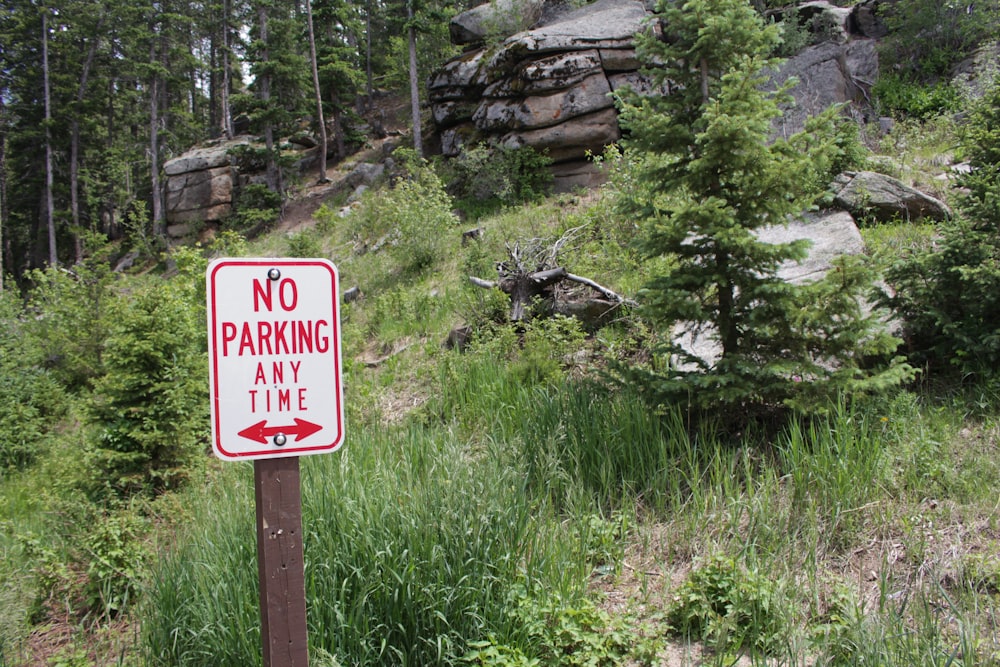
{"points": [[730, 606]]}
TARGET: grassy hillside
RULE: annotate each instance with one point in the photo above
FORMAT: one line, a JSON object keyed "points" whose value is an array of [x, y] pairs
{"points": [[503, 504]]}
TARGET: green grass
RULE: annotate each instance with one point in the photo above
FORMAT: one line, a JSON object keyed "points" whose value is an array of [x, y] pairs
{"points": [[411, 549], [498, 501]]}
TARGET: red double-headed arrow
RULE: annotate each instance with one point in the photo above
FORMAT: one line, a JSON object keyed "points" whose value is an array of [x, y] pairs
{"points": [[260, 431]]}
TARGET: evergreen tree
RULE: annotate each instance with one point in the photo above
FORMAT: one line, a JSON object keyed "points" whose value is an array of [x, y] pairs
{"points": [[949, 294], [713, 178]]}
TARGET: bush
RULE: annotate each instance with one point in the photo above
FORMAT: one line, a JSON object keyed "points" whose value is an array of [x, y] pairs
{"points": [[71, 312], [928, 37], [948, 295], [412, 219], [731, 606], [487, 178], [256, 208], [901, 97], [149, 409], [30, 398]]}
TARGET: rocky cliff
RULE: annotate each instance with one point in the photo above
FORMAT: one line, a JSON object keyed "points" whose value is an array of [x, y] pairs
{"points": [[552, 87]]}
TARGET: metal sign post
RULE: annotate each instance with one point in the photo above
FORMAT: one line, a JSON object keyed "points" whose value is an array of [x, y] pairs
{"points": [[277, 394]]}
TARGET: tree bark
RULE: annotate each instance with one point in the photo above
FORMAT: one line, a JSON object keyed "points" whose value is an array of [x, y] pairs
{"points": [[154, 145], [74, 148], [319, 95], [369, 86], [226, 112], [3, 187], [50, 221], [265, 97], [418, 142]]}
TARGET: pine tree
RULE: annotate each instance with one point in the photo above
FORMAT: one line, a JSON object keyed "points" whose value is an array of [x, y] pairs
{"points": [[949, 295], [712, 178]]}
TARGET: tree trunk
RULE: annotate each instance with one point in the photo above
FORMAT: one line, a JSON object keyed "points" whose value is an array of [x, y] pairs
{"points": [[50, 221], [728, 333], [265, 98], [369, 87], [319, 95], [418, 142], [226, 113], [3, 187], [154, 147], [338, 130], [74, 147]]}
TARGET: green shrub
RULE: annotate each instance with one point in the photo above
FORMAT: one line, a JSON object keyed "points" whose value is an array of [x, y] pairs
{"points": [[548, 345], [558, 633], [30, 398], [730, 606], [485, 178], [948, 295], [305, 244], [116, 559], [255, 209], [899, 96], [149, 410], [70, 314], [928, 37], [412, 219]]}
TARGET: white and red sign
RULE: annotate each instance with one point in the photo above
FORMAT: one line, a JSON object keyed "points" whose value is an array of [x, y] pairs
{"points": [[274, 357]]}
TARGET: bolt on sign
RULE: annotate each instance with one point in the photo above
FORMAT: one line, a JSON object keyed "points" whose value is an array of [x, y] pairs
{"points": [[274, 358]]}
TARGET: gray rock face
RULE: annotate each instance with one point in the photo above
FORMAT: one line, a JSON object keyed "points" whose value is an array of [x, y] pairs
{"points": [[832, 233], [200, 185], [866, 19], [867, 193], [827, 73], [204, 157], [548, 88], [499, 16], [551, 87], [206, 194]]}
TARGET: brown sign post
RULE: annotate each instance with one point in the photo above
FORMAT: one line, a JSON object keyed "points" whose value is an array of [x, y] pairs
{"points": [[277, 394], [280, 571]]}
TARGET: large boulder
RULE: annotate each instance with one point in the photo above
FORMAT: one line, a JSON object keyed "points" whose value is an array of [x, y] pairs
{"points": [[826, 74], [883, 198], [497, 17], [548, 88], [200, 184]]}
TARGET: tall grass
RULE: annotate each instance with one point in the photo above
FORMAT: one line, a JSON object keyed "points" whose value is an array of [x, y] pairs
{"points": [[411, 549]]}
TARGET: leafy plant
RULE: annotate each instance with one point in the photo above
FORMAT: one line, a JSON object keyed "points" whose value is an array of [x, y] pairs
{"points": [[927, 37], [305, 244], [116, 562], [547, 344], [899, 96], [485, 178], [256, 208], [948, 295], [31, 400], [563, 633], [412, 219], [730, 606]]}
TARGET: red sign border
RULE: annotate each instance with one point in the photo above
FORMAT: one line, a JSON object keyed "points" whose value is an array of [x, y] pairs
{"points": [[217, 446]]}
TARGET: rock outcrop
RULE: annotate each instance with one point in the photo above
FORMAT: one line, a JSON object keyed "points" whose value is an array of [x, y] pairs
{"points": [[867, 194], [548, 88], [551, 87], [200, 183]]}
